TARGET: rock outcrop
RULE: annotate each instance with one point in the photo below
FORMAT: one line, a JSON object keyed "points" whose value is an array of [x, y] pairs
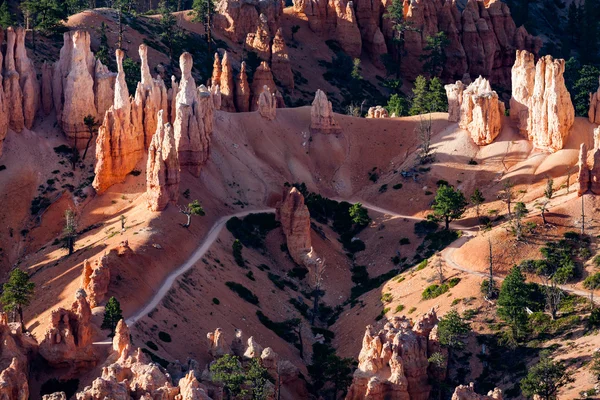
{"points": [[194, 116], [226, 84], [28, 81], [482, 38], [544, 100], [262, 77], [393, 361], [162, 171], [267, 104], [242, 90], [55, 396], [321, 115], [481, 112], [13, 382], [280, 61], [95, 280], [295, 222], [68, 340], [454, 93], [259, 40], [594, 110], [120, 141], [236, 19], [76, 89], [464, 392], [12, 88], [377, 112], [151, 97]]}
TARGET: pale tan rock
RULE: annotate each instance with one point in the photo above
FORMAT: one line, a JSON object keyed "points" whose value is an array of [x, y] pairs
{"points": [[217, 345], [262, 77], [121, 340], [377, 112], [216, 72], [73, 86], [226, 85], [242, 91], [237, 19], [55, 396], [172, 98], [583, 176], [47, 88], [104, 88], [144, 68], [104, 389], [454, 92], [595, 172], [481, 112], [162, 171], [260, 40], [254, 350], [191, 389], [280, 62], [120, 141], [393, 362], [28, 81], [551, 112], [267, 104], [68, 339], [523, 82], [12, 87], [194, 120], [295, 222], [321, 115], [464, 392], [13, 382], [215, 94], [95, 280]]}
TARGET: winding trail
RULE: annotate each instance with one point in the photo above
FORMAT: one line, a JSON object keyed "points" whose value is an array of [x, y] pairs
{"points": [[215, 230]]}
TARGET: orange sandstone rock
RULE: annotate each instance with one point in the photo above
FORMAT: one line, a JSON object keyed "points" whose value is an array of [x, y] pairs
{"points": [[481, 112], [267, 104], [321, 115]]}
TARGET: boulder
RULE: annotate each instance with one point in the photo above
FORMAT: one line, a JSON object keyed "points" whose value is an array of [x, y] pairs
{"points": [[464, 392], [321, 115], [162, 171], [377, 112]]}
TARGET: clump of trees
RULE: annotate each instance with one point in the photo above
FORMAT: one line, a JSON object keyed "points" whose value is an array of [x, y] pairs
{"points": [[449, 204], [545, 378], [242, 380]]}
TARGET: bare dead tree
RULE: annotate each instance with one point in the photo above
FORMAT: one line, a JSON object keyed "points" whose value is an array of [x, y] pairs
{"points": [[582, 215], [490, 290], [507, 194], [424, 134], [439, 267]]}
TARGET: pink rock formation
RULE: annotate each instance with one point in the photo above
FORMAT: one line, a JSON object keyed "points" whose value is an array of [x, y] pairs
{"points": [[464, 392], [481, 112], [377, 112], [104, 88], [393, 362], [236, 19], [260, 40], [193, 121], [295, 222], [47, 104], [262, 77], [594, 110], [346, 31], [152, 93], [68, 340], [217, 346], [13, 382], [55, 396], [216, 72], [267, 104], [12, 88], [454, 92], [550, 112], [242, 91], [226, 85], [583, 176], [280, 62], [191, 389], [321, 115], [95, 280], [162, 172], [121, 340], [120, 142], [30, 86]]}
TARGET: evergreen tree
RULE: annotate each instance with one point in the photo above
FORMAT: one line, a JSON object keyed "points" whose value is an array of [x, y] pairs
{"points": [[112, 315], [6, 17], [257, 377], [44, 15], [395, 14], [573, 23], [587, 82], [437, 99], [420, 97], [435, 57], [397, 105], [545, 378], [359, 214], [169, 31], [449, 204], [204, 11], [477, 200], [512, 300], [103, 50], [452, 330], [589, 32], [17, 293], [132, 74], [70, 231], [193, 208]]}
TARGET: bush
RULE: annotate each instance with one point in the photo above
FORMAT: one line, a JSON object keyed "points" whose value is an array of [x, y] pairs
{"points": [[252, 229], [399, 308], [453, 282], [38, 204], [397, 186], [404, 241], [387, 298], [237, 253], [359, 274], [594, 319], [422, 265], [383, 188], [597, 261], [281, 283], [243, 292], [164, 336], [485, 289], [216, 301], [152, 345], [433, 291], [425, 227], [284, 330]]}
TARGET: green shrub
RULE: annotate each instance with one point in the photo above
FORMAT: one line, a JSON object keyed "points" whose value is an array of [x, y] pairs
{"points": [[383, 188], [594, 319], [404, 241], [397, 186], [284, 330], [425, 227], [38, 204], [252, 229], [298, 272], [243, 292], [433, 291], [387, 298], [597, 261], [164, 336], [382, 314], [237, 253], [301, 306], [399, 308], [281, 283], [250, 275], [359, 274], [421, 265], [152, 345], [216, 301], [412, 310], [453, 282]]}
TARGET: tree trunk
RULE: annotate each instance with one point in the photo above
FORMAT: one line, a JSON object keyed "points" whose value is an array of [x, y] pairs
{"points": [[20, 311], [189, 220], [87, 145], [544, 217]]}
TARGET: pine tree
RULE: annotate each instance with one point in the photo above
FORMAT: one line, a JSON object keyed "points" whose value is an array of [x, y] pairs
{"points": [[477, 200], [452, 329], [512, 300], [420, 97], [17, 293], [545, 378], [435, 57], [204, 11], [449, 204], [70, 231], [193, 208], [397, 105], [6, 17], [436, 99], [112, 315]]}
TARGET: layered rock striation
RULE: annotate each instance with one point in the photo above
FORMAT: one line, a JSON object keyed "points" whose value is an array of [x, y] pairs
{"points": [[393, 362], [541, 104], [478, 108], [162, 171]]}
